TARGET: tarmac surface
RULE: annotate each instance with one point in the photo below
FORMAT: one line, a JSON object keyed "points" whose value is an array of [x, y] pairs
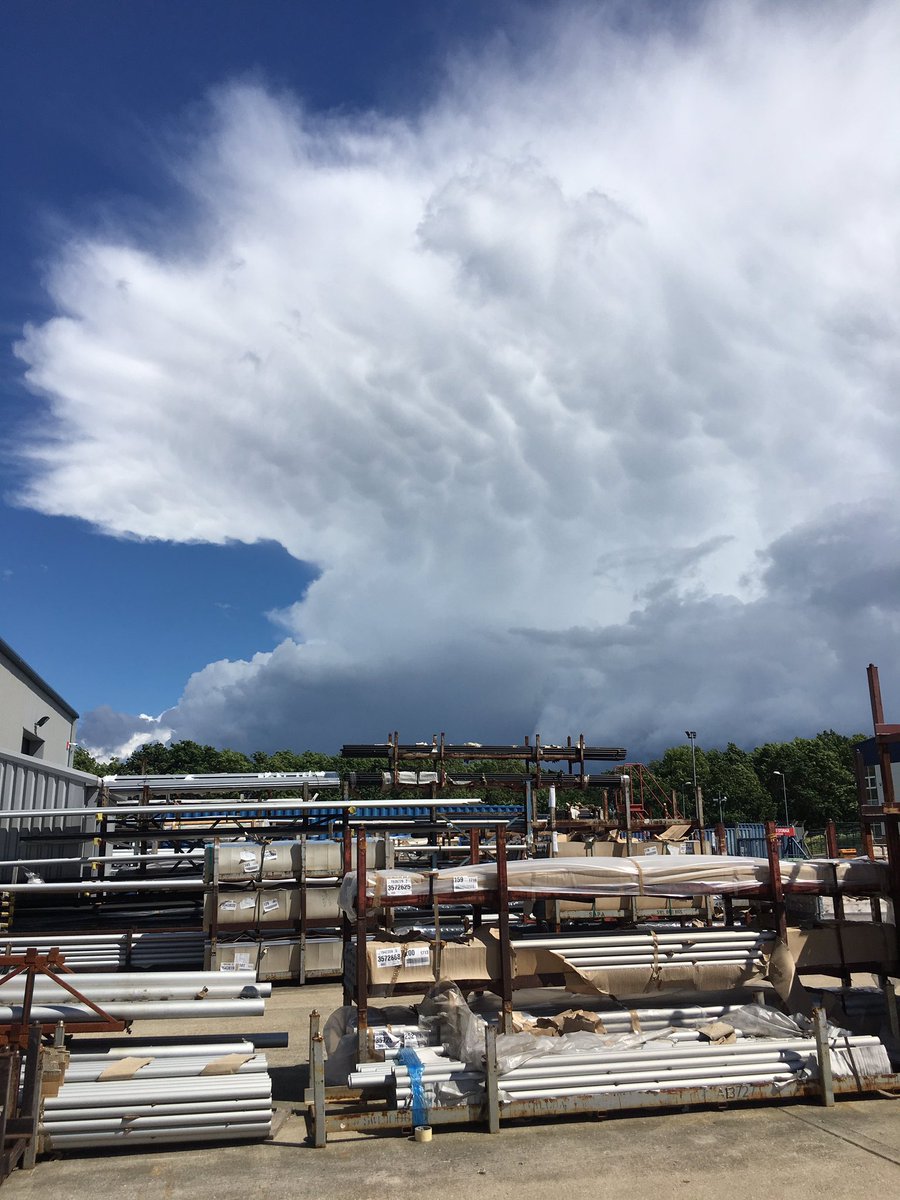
{"points": [[800, 1150]]}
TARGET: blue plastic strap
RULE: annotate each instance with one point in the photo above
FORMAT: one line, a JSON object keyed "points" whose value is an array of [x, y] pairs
{"points": [[409, 1059]]}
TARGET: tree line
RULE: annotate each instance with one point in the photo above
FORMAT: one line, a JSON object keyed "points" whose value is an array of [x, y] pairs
{"points": [[815, 775]]}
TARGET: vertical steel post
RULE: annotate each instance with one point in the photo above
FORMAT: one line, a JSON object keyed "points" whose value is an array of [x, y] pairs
{"points": [[891, 814], [346, 926], [304, 915], [317, 1069], [491, 1081], [30, 1108], [475, 856], [721, 839], [776, 886], [362, 973], [505, 944], [823, 1053]]}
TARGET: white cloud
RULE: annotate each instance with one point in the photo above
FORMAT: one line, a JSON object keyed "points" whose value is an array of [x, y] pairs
{"points": [[572, 349], [105, 733]]}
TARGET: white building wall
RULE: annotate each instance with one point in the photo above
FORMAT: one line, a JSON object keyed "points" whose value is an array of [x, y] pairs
{"points": [[23, 703]]}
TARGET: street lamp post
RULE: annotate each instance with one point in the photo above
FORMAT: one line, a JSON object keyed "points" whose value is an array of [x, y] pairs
{"points": [[720, 800], [691, 735], [787, 818]]}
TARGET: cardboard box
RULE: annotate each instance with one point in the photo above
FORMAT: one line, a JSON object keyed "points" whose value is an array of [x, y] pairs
{"points": [[844, 942], [397, 962]]}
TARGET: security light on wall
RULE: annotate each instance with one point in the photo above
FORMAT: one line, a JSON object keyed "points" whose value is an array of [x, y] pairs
{"points": [[42, 721]]}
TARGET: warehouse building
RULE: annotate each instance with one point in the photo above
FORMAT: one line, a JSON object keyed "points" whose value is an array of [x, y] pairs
{"points": [[34, 719]]}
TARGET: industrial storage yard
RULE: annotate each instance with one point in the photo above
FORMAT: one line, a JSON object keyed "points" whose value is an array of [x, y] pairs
{"points": [[336, 982], [850, 1150]]}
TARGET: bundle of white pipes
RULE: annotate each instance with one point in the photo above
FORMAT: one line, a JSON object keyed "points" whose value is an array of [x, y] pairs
{"points": [[739, 947], [107, 951], [686, 1061], [159, 995], [162, 1094]]}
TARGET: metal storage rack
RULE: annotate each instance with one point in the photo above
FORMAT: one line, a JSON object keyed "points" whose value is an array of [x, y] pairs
{"points": [[330, 1108]]}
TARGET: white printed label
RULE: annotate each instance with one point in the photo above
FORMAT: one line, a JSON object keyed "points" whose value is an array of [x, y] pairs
{"points": [[248, 902], [228, 906], [417, 956], [227, 967], [269, 905], [251, 867], [241, 962], [247, 856], [383, 1039], [651, 850], [465, 883], [398, 885], [391, 957]]}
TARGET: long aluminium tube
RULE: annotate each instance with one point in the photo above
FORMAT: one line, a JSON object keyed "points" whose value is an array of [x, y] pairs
{"points": [[126, 1112], [82, 1141], [539, 1093], [214, 1087], [128, 995], [139, 1011], [692, 937], [167, 1068], [247, 1116]]}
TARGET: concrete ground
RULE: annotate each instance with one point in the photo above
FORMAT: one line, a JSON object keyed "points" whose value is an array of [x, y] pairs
{"points": [[799, 1150]]}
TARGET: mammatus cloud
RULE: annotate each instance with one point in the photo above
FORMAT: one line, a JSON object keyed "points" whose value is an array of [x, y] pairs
{"points": [[578, 386]]}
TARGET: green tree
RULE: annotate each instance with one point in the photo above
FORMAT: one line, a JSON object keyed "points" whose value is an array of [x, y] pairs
{"points": [[730, 775], [818, 777]]}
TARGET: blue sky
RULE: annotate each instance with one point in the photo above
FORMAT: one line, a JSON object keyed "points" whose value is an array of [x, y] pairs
{"points": [[536, 363], [91, 93]]}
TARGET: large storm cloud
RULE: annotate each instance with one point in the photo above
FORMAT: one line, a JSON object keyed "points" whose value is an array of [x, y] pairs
{"points": [[577, 386]]}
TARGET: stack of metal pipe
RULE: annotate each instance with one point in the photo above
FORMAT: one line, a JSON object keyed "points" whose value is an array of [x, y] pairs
{"points": [[107, 951], [685, 1061], [738, 947], [160, 1093], [161, 995]]}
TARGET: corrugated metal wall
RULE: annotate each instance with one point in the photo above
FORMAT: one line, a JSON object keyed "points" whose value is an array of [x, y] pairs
{"points": [[28, 783]]}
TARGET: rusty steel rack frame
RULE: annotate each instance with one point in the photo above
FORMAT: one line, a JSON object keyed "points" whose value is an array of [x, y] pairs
{"points": [[887, 813], [330, 1109], [20, 1091], [770, 896]]}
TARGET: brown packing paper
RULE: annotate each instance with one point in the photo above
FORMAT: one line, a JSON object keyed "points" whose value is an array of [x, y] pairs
{"points": [[123, 1068], [838, 943], [577, 1020], [782, 975], [623, 982], [226, 1065], [718, 1032], [54, 1063]]}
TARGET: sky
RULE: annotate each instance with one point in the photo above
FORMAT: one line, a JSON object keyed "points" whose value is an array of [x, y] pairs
{"points": [[479, 367]]}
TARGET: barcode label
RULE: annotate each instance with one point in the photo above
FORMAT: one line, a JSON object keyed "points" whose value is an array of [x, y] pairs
{"points": [[465, 883], [389, 957], [417, 956]]}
